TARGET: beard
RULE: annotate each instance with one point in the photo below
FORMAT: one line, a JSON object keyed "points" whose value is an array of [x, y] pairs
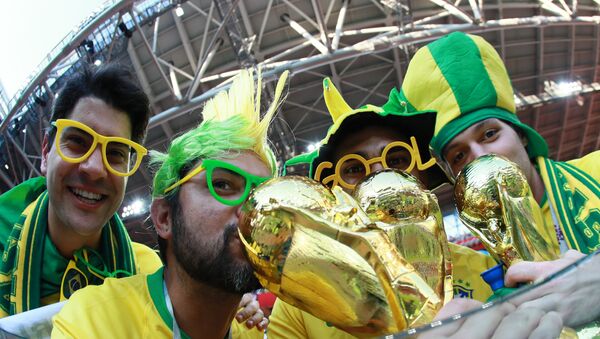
{"points": [[212, 263]]}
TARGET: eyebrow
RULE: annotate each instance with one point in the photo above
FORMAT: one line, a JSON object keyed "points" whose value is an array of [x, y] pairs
{"points": [[478, 126]]}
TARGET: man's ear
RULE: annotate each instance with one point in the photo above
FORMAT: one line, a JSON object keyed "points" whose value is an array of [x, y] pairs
{"points": [[45, 150], [162, 217]]}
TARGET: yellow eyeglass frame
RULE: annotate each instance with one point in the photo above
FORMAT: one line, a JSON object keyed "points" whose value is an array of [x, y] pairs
{"points": [[61, 124], [336, 177]]}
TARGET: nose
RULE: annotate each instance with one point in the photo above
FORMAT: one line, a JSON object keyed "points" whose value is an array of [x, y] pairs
{"points": [[243, 220], [376, 167], [475, 151], [93, 166]]}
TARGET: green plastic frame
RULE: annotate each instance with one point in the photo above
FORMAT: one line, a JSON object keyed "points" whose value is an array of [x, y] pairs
{"points": [[209, 166]]}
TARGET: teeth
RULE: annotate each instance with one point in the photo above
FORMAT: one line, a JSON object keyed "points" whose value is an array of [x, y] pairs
{"points": [[87, 195]]}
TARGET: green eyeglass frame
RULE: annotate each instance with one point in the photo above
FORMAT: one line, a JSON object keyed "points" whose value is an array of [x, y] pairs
{"points": [[209, 165]]}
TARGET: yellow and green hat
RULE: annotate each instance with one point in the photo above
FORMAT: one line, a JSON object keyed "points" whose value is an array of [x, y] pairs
{"points": [[463, 79], [344, 118]]}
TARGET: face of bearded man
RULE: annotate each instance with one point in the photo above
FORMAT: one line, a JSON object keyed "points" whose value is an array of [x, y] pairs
{"points": [[205, 238], [212, 262]]}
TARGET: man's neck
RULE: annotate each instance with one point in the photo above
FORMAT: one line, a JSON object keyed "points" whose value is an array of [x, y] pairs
{"points": [[537, 185], [66, 240], [200, 310]]}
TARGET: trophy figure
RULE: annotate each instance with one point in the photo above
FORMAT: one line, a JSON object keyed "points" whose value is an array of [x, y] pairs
{"points": [[496, 204], [321, 251]]}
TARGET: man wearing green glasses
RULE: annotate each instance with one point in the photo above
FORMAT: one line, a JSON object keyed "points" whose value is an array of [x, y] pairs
{"points": [[60, 232], [199, 186]]}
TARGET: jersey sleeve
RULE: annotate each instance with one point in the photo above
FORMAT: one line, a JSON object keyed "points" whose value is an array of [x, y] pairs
{"points": [[286, 321]]}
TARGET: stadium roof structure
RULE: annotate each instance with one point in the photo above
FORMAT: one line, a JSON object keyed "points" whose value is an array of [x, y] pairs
{"points": [[183, 52]]}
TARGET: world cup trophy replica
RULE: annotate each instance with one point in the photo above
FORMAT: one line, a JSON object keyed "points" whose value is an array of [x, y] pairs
{"points": [[496, 204], [374, 262]]}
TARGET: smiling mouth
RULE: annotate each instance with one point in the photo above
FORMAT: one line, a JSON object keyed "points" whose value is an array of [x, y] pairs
{"points": [[86, 196]]}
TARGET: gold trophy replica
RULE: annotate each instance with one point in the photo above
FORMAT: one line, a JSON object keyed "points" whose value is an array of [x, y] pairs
{"points": [[496, 204], [374, 262]]}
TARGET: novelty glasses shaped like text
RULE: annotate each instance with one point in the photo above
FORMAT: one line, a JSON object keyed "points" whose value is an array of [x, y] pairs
{"points": [[353, 167], [228, 184], [75, 142]]}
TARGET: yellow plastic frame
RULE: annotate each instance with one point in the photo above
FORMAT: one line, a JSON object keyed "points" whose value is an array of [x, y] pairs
{"points": [[61, 124]]}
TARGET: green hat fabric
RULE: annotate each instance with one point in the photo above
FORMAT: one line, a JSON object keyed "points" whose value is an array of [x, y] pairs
{"points": [[463, 79]]}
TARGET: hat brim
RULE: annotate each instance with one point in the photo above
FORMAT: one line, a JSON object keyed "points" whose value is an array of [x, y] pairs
{"points": [[536, 145]]}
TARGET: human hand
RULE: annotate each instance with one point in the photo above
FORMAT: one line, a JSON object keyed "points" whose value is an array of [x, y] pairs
{"points": [[574, 296], [529, 271], [500, 321], [251, 313]]}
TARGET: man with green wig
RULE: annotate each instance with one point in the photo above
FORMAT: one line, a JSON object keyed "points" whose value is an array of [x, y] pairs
{"points": [[463, 81], [199, 187], [361, 141]]}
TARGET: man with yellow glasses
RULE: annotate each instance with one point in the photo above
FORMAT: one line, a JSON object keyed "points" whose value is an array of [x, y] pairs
{"points": [[60, 232], [361, 141], [199, 187]]}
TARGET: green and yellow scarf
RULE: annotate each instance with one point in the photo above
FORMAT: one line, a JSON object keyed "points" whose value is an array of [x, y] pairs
{"points": [[23, 228], [575, 198]]}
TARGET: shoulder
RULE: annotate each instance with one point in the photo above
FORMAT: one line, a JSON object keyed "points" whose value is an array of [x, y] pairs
{"points": [[109, 303], [147, 260], [467, 266], [287, 321], [462, 253], [588, 164]]}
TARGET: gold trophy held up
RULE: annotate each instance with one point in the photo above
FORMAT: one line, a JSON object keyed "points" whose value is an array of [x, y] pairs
{"points": [[374, 262], [496, 204]]}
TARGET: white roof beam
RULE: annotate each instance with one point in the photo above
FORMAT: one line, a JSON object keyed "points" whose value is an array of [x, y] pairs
{"points": [[185, 40], [455, 11]]}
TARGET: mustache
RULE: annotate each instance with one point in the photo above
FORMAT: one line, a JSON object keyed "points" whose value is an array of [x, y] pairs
{"points": [[229, 231]]}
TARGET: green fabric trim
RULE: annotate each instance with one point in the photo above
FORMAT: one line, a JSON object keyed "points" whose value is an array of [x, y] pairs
{"points": [[305, 158], [33, 263], [544, 199], [155, 287], [471, 73], [53, 268], [394, 104], [583, 177], [536, 145], [14, 201], [565, 224]]}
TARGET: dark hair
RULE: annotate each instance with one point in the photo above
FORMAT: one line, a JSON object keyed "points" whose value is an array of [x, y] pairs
{"points": [[112, 83], [173, 202]]}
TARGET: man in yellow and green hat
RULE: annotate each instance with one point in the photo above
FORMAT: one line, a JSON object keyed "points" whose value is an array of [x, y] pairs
{"points": [[463, 80], [361, 141]]}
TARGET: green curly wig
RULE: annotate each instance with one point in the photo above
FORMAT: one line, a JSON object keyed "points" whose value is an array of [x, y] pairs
{"points": [[231, 124]]}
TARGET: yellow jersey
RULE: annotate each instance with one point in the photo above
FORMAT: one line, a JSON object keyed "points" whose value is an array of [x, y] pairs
{"points": [[132, 307]]}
